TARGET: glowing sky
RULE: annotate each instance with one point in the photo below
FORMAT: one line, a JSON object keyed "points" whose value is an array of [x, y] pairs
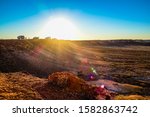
{"points": [[94, 19]]}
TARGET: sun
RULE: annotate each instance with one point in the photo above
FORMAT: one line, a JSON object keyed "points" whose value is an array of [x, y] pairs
{"points": [[61, 28]]}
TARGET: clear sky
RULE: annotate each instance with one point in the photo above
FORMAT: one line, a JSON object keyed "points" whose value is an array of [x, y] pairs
{"points": [[89, 19]]}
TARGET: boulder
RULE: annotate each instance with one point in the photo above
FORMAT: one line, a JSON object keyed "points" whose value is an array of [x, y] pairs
{"points": [[71, 85]]}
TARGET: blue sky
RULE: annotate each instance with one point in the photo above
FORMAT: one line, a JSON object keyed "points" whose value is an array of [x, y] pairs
{"points": [[96, 19]]}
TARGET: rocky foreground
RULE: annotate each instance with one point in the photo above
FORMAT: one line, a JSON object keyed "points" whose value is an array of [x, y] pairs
{"points": [[58, 86]]}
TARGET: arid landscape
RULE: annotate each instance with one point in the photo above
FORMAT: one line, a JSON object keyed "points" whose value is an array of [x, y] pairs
{"points": [[80, 70]]}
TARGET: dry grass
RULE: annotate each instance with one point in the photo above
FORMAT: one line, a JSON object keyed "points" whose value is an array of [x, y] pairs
{"points": [[125, 62], [65, 85], [14, 86], [61, 85], [132, 97]]}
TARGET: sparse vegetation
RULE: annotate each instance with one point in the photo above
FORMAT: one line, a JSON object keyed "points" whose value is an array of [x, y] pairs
{"points": [[14, 86], [65, 85], [132, 97], [124, 62], [19, 85]]}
